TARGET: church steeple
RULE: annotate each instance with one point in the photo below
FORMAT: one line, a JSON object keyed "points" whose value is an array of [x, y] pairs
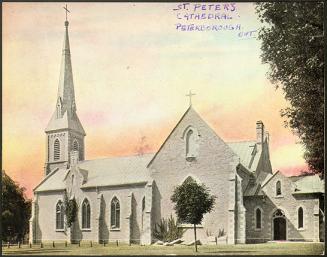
{"points": [[66, 92], [65, 132]]}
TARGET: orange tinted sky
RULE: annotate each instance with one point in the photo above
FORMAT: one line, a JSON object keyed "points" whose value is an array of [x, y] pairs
{"points": [[132, 69]]}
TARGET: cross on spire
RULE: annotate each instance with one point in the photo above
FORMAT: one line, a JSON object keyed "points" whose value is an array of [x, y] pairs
{"points": [[66, 9], [190, 94]]}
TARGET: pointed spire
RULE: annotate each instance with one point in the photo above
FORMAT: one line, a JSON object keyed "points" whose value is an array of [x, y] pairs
{"points": [[66, 84], [65, 116]]}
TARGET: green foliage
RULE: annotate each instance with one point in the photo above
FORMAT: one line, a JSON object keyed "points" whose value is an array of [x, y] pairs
{"points": [[293, 46], [168, 230], [192, 201], [70, 210], [16, 210]]}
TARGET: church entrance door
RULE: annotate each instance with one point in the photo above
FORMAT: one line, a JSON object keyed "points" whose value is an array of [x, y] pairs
{"points": [[279, 225], [279, 229]]}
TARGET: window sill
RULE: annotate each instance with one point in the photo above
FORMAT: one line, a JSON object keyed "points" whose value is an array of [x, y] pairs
{"points": [[60, 230], [301, 229], [86, 229], [279, 196], [115, 229], [257, 229], [190, 158]]}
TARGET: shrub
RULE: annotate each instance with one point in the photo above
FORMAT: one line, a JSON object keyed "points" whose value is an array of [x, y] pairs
{"points": [[167, 230]]}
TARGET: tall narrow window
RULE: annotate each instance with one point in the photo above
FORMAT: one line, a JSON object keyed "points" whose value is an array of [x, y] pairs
{"points": [[278, 188], [258, 218], [300, 217], [189, 142], [115, 213], [143, 209], [56, 150], [59, 215], [75, 145], [86, 214]]}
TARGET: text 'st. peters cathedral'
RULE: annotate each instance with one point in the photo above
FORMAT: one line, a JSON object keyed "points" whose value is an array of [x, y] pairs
{"points": [[124, 198]]}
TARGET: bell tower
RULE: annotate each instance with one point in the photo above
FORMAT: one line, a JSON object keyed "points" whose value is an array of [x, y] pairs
{"points": [[64, 132]]}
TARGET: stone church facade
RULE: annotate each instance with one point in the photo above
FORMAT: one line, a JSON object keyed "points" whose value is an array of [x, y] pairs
{"points": [[123, 198]]}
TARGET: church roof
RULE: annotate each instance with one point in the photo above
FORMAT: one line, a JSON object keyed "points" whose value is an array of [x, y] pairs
{"points": [[54, 181], [248, 152], [112, 171], [116, 170], [309, 184]]}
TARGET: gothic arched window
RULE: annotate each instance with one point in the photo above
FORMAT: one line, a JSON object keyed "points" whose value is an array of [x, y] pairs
{"points": [[86, 214], [278, 188], [258, 216], [115, 213], [59, 215], [75, 145], [56, 150], [300, 217], [191, 137]]}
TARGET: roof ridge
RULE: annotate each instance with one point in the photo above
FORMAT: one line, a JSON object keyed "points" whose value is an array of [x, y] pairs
{"points": [[116, 157]]}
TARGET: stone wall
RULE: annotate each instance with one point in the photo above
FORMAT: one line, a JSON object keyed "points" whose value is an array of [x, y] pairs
{"points": [[214, 164], [289, 204]]}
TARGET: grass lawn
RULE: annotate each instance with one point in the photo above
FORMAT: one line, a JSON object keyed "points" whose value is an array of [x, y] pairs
{"points": [[252, 249]]}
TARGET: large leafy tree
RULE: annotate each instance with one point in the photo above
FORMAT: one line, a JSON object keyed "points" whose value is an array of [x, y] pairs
{"points": [[192, 201], [292, 45], [16, 210]]}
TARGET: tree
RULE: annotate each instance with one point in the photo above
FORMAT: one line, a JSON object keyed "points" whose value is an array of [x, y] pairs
{"points": [[70, 210], [192, 201], [16, 210], [292, 45]]}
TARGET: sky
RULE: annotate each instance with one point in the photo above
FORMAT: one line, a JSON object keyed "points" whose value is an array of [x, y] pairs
{"points": [[133, 64]]}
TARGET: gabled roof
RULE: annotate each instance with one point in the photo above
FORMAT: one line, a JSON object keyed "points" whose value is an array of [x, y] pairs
{"points": [[53, 181], [112, 171], [248, 152], [155, 155], [191, 109], [309, 184], [116, 170]]}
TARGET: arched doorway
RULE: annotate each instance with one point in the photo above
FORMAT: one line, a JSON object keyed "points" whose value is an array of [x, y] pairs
{"points": [[279, 225]]}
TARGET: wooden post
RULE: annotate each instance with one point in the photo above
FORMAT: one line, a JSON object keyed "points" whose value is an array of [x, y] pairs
{"points": [[91, 243], [196, 247], [104, 243], [30, 245], [53, 244], [216, 240], [79, 243], [117, 242], [8, 244], [18, 244], [41, 245], [65, 243]]}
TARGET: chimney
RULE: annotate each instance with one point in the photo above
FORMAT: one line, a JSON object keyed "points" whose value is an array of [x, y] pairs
{"points": [[74, 158], [260, 132]]}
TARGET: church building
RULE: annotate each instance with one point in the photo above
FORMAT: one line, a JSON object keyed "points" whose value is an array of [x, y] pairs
{"points": [[123, 198]]}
